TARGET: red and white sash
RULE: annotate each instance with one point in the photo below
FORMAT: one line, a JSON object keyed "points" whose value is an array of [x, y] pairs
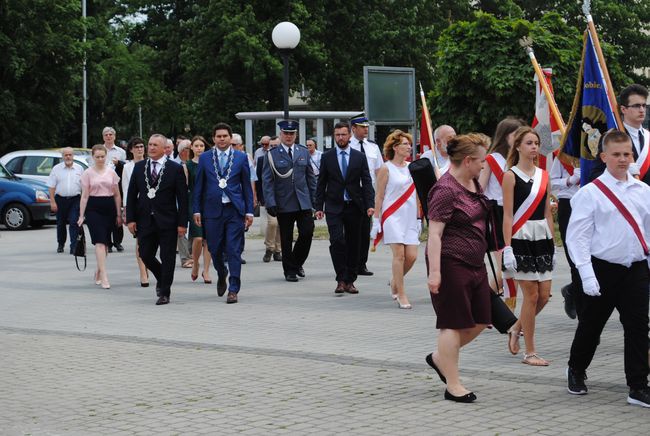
{"points": [[625, 212], [526, 209], [391, 210], [497, 163], [644, 157]]}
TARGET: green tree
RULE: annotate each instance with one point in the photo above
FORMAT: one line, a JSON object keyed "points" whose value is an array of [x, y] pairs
{"points": [[41, 45], [483, 75]]}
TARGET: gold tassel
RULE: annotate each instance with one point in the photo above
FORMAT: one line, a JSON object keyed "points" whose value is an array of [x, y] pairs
{"points": [[511, 302]]}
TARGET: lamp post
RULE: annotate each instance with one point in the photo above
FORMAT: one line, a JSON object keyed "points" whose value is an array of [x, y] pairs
{"points": [[84, 121], [286, 37]]}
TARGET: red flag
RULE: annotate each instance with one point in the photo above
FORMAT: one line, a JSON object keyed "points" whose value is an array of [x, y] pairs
{"points": [[544, 123], [424, 134]]}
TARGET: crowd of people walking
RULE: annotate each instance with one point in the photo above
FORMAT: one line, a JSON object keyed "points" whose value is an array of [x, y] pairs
{"points": [[488, 190]]}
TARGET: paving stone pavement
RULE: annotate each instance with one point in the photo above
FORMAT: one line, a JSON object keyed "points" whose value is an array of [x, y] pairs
{"points": [[288, 359]]}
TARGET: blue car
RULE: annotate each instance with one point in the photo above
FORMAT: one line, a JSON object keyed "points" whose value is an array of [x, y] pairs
{"points": [[23, 202]]}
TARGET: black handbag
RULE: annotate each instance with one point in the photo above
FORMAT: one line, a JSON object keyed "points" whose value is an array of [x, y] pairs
{"points": [[80, 248], [502, 316], [493, 233], [424, 178]]}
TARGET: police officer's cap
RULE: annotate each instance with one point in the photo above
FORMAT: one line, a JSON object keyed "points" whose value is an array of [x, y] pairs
{"points": [[360, 120], [288, 126]]}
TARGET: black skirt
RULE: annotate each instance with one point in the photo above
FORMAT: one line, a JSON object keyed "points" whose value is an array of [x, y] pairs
{"points": [[100, 218]]}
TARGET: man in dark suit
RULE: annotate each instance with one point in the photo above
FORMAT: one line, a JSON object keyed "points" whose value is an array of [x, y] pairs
{"points": [[156, 212], [223, 203], [345, 187], [289, 184]]}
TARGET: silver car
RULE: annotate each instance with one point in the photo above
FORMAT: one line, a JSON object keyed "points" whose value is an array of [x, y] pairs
{"points": [[37, 164]]}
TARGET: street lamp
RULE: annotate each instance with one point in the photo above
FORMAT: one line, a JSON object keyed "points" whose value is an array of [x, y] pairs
{"points": [[286, 37]]}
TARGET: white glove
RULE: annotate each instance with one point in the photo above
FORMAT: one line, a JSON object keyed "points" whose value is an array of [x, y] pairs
{"points": [[555, 258], [419, 227], [376, 227], [575, 178], [591, 287], [634, 169], [509, 261]]}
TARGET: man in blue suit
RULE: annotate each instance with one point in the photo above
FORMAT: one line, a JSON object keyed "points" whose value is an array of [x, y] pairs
{"points": [[289, 186], [223, 203]]}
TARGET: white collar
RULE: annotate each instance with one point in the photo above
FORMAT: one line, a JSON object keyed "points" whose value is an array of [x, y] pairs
{"points": [[288, 147], [609, 180], [161, 161], [227, 150], [522, 175], [633, 131]]}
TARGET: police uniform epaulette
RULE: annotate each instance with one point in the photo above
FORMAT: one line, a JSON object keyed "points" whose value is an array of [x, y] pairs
{"points": [[300, 145]]}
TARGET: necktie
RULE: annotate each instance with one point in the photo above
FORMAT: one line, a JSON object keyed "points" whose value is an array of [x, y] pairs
{"points": [[361, 147], [641, 139], [344, 171], [222, 160], [154, 172], [290, 154]]}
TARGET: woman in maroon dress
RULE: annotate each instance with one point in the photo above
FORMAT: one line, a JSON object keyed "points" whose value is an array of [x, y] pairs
{"points": [[458, 282]]}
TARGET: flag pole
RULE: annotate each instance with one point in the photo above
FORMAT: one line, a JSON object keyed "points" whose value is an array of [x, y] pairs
{"points": [[427, 118], [586, 9], [527, 43]]}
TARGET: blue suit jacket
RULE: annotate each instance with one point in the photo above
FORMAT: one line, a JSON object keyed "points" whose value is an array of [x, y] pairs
{"points": [[293, 193], [207, 194]]}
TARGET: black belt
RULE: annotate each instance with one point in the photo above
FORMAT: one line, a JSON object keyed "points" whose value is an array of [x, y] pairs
{"points": [[61, 196]]}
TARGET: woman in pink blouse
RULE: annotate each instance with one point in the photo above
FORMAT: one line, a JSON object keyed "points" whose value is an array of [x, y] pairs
{"points": [[100, 201]]}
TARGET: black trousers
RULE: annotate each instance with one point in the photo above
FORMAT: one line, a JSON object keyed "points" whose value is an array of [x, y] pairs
{"points": [[563, 215], [67, 214], [626, 290], [162, 269], [295, 255], [364, 241], [344, 241]]}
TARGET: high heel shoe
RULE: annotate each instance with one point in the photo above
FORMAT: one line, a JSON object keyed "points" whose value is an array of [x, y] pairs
{"points": [[194, 276], [393, 296], [105, 285], [206, 281], [403, 306], [97, 280]]}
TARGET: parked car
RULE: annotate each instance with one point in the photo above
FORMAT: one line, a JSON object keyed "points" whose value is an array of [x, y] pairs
{"points": [[23, 202], [37, 164]]}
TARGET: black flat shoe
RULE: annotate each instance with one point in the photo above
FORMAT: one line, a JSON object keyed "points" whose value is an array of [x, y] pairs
{"points": [[291, 278], [144, 285], [430, 362], [467, 398], [162, 300], [301, 272]]}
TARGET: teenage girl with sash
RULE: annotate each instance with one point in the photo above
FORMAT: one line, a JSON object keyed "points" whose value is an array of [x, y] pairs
{"points": [[528, 256], [491, 179]]}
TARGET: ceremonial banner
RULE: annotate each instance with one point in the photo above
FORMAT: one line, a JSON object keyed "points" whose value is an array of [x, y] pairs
{"points": [[592, 114], [425, 142], [545, 125]]}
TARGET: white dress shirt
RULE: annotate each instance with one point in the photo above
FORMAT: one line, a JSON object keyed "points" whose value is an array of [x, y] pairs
{"points": [[127, 171], [66, 181], [442, 161], [559, 177], [292, 148], [634, 135], [597, 228], [224, 198], [373, 156], [314, 161]]}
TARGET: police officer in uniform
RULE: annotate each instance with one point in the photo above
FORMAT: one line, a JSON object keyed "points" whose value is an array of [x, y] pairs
{"points": [[289, 185], [360, 142]]}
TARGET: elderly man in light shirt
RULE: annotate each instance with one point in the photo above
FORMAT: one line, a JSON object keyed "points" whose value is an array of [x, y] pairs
{"points": [[64, 184], [441, 136]]}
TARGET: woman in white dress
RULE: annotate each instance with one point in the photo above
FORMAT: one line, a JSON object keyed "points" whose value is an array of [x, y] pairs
{"points": [[396, 212]]}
